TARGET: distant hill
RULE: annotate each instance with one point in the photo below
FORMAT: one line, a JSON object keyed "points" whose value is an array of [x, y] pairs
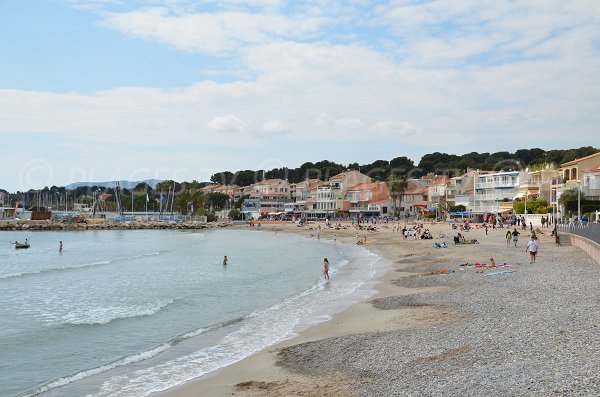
{"points": [[124, 184]]}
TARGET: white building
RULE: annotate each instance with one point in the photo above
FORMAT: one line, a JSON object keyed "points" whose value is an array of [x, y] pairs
{"points": [[495, 192], [591, 183]]}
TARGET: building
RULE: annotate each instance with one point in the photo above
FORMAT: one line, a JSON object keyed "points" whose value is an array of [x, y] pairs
{"points": [[267, 197], [369, 199], [437, 192], [591, 183], [3, 198], [414, 198], [302, 195], [538, 184], [272, 186], [571, 171], [495, 192], [569, 178], [233, 191]]}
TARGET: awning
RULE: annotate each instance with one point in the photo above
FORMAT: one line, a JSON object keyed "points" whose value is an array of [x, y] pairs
{"points": [[519, 195]]}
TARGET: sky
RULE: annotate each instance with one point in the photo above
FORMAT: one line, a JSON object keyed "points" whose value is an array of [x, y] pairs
{"points": [[95, 90]]}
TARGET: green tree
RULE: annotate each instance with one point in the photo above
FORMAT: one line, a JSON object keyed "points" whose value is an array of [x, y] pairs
{"points": [[235, 214], [396, 186], [217, 200]]}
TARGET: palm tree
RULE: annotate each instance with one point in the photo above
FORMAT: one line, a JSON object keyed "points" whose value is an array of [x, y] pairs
{"points": [[396, 186]]}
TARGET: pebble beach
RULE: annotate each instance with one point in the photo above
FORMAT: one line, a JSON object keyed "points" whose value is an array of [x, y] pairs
{"points": [[437, 328]]}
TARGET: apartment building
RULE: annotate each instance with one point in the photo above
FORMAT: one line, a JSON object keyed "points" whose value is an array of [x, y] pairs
{"points": [[332, 196], [414, 198], [369, 199], [591, 183], [571, 171], [495, 192]]}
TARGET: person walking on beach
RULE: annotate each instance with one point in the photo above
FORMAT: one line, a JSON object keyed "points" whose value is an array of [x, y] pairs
{"points": [[60, 246], [532, 248], [326, 269], [508, 237], [515, 236]]}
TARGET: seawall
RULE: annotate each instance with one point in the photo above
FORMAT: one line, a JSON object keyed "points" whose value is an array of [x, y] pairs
{"points": [[49, 225], [588, 246]]}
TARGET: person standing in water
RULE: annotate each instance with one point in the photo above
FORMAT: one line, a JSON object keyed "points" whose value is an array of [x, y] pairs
{"points": [[225, 260], [326, 269], [60, 246]]}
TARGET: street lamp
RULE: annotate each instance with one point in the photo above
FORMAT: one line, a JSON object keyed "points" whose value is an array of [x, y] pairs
{"points": [[526, 194], [578, 201]]}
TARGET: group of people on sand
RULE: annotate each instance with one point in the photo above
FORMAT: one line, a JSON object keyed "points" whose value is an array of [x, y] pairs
{"points": [[532, 247]]}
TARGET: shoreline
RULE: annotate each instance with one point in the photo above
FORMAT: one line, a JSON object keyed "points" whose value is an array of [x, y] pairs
{"points": [[238, 378], [465, 330]]}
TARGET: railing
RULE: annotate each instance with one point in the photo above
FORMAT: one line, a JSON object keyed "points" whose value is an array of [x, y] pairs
{"points": [[493, 185], [583, 229], [494, 196]]}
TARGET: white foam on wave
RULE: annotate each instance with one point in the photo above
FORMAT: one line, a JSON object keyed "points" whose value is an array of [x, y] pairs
{"points": [[55, 269], [258, 331], [85, 374], [106, 314]]}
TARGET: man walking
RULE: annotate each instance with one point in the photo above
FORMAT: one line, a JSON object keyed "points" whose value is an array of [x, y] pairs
{"points": [[532, 248], [515, 236]]}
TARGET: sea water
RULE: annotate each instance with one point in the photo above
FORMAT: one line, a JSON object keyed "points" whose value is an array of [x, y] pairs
{"points": [[129, 313]]}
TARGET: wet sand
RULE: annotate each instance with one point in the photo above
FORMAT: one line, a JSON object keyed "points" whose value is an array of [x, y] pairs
{"points": [[415, 300]]}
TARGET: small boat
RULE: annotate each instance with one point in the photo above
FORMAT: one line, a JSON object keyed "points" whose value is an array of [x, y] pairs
{"points": [[20, 245]]}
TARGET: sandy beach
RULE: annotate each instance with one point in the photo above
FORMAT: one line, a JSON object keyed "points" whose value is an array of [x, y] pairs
{"points": [[437, 328]]}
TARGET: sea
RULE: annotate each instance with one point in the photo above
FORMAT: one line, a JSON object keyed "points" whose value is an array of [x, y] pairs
{"points": [[135, 312]]}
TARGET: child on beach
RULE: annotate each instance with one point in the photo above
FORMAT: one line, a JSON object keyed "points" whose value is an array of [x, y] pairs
{"points": [[326, 269], [508, 237]]}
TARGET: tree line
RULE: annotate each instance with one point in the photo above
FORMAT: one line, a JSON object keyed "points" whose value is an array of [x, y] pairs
{"points": [[189, 198], [439, 163]]}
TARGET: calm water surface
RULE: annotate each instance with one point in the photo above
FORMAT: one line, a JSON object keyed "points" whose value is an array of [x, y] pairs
{"points": [[122, 313]]}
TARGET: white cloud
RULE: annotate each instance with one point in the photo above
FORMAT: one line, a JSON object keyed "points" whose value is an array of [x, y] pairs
{"points": [[211, 33], [392, 128], [491, 75], [227, 124], [273, 125]]}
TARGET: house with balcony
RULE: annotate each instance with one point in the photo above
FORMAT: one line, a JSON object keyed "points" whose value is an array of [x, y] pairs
{"points": [[272, 186], [571, 171], [369, 199], [495, 192], [460, 190], [436, 195], [414, 198], [267, 197], [326, 198], [591, 183], [571, 176], [302, 195]]}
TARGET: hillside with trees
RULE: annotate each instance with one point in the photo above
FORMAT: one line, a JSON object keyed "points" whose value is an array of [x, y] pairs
{"points": [[439, 163]]}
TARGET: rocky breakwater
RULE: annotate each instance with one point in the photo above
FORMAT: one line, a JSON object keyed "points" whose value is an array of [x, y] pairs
{"points": [[49, 225]]}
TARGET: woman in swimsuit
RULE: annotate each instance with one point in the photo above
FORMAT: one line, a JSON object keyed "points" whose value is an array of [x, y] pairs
{"points": [[326, 269]]}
